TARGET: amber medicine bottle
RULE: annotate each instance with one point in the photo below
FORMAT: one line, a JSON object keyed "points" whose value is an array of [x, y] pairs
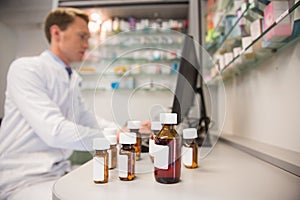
{"points": [[111, 135], [167, 160], [155, 129], [190, 148], [134, 127], [100, 160], [126, 157], [112, 152]]}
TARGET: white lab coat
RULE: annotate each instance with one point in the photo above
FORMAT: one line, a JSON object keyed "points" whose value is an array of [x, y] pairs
{"points": [[45, 119]]}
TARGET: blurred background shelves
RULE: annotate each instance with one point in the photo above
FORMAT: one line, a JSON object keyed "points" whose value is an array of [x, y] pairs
{"points": [[257, 31]]}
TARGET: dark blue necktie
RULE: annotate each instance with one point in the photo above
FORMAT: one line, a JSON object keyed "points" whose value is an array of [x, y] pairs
{"points": [[69, 70]]}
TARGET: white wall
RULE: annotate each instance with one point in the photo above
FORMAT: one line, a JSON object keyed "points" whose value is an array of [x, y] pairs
{"points": [[263, 104], [31, 40], [121, 106], [7, 54]]}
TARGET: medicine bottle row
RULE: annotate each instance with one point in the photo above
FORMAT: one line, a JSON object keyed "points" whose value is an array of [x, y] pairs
{"points": [[165, 149]]}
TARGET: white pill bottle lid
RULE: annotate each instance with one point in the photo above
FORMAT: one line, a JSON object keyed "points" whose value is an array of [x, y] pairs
{"points": [[168, 118]]}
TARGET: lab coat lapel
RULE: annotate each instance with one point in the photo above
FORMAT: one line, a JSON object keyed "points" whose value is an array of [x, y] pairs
{"points": [[61, 71]]}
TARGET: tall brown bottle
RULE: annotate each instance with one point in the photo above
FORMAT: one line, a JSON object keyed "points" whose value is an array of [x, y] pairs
{"points": [[167, 160]]}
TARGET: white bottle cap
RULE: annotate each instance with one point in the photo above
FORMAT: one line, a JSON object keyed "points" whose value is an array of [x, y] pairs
{"points": [[134, 124], [112, 139], [110, 131], [100, 144], [156, 126], [189, 133], [168, 118], [127, 138]]}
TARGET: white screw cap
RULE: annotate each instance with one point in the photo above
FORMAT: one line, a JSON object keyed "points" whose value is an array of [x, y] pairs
{"points": [[168, 118], [156, 126], [127, 138], [189, 133], [134, 124], [101, 144], [110, 131], [112, 139]]}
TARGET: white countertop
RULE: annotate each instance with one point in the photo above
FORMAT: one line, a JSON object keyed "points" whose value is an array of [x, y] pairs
{"points": [[226, 173]]}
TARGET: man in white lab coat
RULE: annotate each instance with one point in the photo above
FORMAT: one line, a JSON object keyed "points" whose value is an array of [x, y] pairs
{"points": [[45, 117]]}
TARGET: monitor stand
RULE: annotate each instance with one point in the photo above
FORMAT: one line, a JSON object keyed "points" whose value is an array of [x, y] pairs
{"points": [[203, 139]]}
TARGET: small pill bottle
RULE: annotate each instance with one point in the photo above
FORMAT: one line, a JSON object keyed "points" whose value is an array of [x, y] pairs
{"points": [[112, 152], [100, 160], [167, 158], [134, 127], [126, 157], [190, 148], [155, 129], [111, 135]]}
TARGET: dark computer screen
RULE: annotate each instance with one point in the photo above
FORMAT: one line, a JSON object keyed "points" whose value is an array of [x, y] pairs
{"points": [[187, 80]]}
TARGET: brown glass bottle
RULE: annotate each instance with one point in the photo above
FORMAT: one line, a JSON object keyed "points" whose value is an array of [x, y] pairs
{"points": [[168, 143], [138, 144], [100, 160], [126, 158], [112, 152], [100, 166], [190, 148], [134, 127], [113, 156]]}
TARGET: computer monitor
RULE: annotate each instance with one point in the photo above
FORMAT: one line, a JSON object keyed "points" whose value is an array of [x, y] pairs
{"points": [[186, 86], [186, 89]]}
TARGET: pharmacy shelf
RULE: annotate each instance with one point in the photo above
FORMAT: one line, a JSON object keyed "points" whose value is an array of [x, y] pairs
{"points": [[240, 63], [153, 38], [125, 74], [128, 60], [122, 45], [146, 55], [150, 89], [147, 31], [226, 40]]}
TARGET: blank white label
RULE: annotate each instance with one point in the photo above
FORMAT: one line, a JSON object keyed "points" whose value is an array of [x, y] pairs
{"points": [[98, 169], [187, 156], [109, 158], [151, 144], [161, 155], [123, 166]]}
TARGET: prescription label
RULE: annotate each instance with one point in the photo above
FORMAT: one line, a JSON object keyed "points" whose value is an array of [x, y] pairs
{"points": [[123, 166], [161, 155], [98, 169]]}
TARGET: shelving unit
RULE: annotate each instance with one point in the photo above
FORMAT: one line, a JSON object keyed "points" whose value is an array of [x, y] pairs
{"points": [[240, 63], [140, 41], [147, 56]]}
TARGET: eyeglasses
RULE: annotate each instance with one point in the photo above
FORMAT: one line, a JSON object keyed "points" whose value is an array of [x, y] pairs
{"points": [[84, 37]]}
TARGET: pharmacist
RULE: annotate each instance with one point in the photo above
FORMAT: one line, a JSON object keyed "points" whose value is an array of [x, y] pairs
{"points": [[45, 116]]}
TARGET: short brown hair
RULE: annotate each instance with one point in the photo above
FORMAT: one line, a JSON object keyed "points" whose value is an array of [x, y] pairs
{"points": [[62, 17]]}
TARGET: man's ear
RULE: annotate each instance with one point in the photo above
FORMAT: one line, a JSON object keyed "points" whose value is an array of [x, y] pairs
{"points": [[55, 33]]}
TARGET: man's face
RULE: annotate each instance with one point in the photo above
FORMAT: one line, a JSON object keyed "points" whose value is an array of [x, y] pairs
{"points": [[73, 41]]}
